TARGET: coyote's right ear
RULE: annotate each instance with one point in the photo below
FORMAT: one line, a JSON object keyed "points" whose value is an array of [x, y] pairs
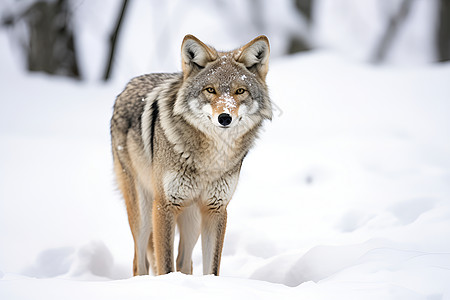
{"points": [[195, 55]]}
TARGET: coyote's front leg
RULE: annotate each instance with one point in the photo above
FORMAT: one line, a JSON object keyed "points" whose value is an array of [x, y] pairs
{"points": [[214, 222], [164, 216]]}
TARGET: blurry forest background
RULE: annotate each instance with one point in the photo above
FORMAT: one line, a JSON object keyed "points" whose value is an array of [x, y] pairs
{"points": [[97, 40]]}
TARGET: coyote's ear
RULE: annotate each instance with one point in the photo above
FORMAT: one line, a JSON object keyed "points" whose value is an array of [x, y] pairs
{"points": [[255, 56], [195, 55]]}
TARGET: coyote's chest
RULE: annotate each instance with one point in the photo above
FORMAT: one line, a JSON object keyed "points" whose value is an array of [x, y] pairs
{"points": [[186, 188]]}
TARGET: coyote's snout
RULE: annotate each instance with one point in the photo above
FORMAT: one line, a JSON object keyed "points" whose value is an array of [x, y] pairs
{"points": [[178, 142]]}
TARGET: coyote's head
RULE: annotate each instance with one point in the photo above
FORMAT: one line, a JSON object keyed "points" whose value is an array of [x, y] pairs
{"points": [[223, 90]]}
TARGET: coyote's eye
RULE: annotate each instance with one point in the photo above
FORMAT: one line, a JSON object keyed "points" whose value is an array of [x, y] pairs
{"points": [[240, 91], [210, 90]]}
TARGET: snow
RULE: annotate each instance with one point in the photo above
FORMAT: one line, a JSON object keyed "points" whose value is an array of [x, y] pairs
{"points": [[345, 195], [228, 101]]}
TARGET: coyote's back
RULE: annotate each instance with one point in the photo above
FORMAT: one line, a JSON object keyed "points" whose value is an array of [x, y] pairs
{"points": [[178, 142]]}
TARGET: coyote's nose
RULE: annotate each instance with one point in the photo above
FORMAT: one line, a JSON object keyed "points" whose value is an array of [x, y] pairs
{"points": [[224, 119]]}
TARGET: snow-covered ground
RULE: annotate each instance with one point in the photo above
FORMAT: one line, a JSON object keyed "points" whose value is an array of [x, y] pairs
{"points": [[345, 196]]}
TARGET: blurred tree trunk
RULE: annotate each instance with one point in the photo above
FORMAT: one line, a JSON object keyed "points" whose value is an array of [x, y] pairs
{"points": [[443, 31], [298, 42], [391, 31], [113, 40], [50, 45]]}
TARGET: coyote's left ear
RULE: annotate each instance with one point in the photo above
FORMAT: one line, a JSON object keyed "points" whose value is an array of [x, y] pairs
{"points": [[195, 55], [255, 56]]}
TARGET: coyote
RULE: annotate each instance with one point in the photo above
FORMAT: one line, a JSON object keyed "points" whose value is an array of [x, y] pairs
{"points": [[178, 142]]}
